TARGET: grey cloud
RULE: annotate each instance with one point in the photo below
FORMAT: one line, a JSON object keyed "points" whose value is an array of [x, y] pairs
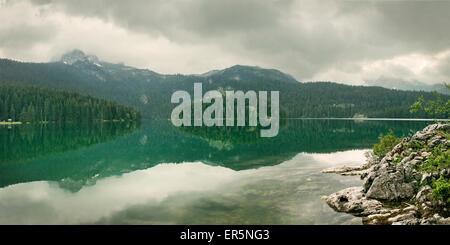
{"points": [[21, 38], [25, 36], [175, 18], [18, 33], [421, 24], [443, 69], [303, 38]]}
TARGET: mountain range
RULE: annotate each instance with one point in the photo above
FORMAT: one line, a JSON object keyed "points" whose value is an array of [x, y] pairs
{"points": [[150, 92]]}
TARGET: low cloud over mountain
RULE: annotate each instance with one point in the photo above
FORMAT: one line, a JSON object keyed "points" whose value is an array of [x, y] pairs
{"points": [[355, 42]]}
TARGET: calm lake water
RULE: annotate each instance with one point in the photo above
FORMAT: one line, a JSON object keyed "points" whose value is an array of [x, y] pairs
{"points": [[153, 173]]}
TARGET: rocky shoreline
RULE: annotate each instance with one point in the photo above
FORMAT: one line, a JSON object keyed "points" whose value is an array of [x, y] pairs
{"points": [[396, 190]]}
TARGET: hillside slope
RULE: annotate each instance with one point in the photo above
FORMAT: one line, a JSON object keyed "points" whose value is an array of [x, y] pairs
{"points": [[33, 104], [151, 92]]}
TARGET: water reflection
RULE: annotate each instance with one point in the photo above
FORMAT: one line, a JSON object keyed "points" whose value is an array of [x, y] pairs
{"points": [[190, 193], [21, 142], [118, 175], [159, 142]]}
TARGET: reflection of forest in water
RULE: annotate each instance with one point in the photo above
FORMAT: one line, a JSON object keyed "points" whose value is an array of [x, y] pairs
{"points": [[159, 142], [310, 135], [28, 141]]}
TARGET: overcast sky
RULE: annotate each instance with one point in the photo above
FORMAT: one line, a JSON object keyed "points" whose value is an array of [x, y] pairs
{"points": [[344, 41]]}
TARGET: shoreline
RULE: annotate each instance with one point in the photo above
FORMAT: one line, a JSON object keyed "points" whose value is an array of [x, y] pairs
{"points": [[368, 119], [48, 122], [396, 190], [10, 123]]}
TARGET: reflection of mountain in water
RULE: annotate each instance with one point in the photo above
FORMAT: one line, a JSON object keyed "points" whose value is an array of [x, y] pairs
{"points": [[160, 142]]}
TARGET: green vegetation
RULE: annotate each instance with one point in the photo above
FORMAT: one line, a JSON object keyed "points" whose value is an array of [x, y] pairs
{"points": [[438, 160], [416, 145], [32, 104], [29, 141], [150, 92], [441, 189], [386, 144], [158, 141], [437, 108]]}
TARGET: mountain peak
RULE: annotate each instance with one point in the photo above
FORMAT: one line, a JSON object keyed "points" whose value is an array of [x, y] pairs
{"points": [[77, 55], [237, 71]]}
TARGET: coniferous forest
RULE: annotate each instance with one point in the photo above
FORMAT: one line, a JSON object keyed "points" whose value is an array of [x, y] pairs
{"points": [[150, 92], [32, 104]]}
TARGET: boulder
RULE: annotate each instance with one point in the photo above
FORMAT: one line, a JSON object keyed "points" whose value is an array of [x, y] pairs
{"points": [[352, 200], [426, 178], [426, 133], [391, 183], [392, 187], [435, 141]]}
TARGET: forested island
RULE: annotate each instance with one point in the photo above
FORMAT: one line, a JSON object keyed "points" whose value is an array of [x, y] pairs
{"points": [[29, 104]]}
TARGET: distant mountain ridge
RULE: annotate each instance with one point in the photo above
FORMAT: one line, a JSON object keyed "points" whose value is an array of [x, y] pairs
{"points": [[150, 92], [392, 83]]}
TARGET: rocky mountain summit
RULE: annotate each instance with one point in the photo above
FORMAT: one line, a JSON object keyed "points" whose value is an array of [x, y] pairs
{"points": [[408, 186], [79, 56]]}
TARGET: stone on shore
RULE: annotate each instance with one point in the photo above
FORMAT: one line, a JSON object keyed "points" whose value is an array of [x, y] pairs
{"points": [[394, 191]]}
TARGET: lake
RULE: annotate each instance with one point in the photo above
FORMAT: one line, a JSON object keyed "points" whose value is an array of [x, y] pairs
{"points": [[154, 173]]}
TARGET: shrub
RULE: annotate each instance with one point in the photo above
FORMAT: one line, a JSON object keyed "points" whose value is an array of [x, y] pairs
{"points": [[386, 144], [441, 189], [415, 145], [437, 107]]}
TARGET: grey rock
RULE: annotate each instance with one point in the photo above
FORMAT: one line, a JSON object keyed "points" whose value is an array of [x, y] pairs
{"points": [[343, 169], [409, 172], [446, 143], [399, 146], [411, 208], [436, 219], [426, 133], [402, 217], [412, 221], [435, 174], [409, 158], [443, 127], [392, 187], [436, 140], [385, 181], [445, 172], [425, 154], [390, 183], [368, 180], [424, 194], [352, 200], [426, 178]]}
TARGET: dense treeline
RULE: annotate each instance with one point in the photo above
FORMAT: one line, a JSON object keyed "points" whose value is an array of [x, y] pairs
{"points": [[32, 104], [150, 92], [327, 99]]}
